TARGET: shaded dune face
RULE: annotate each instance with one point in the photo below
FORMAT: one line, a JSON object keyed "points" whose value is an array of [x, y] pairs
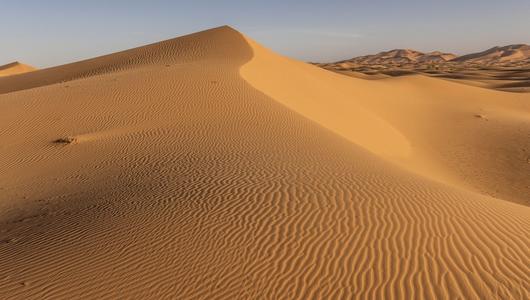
{"points": [[182, 180]]}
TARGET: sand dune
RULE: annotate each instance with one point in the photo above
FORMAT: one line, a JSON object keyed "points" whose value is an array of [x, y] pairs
{"points": [[500, 68], [210, 167], [401, 56], [15, 68], [494, 55], [436, 56], [439, 129]]}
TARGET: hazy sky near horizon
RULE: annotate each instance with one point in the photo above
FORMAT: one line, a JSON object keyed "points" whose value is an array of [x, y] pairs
{"points": [[48, 33]]}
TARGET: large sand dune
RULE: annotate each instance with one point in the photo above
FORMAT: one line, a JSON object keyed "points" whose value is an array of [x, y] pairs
{"points": [[209, 167]]}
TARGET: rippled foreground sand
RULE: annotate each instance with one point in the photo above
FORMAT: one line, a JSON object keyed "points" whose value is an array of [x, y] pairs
{"points": [[208, 167]]}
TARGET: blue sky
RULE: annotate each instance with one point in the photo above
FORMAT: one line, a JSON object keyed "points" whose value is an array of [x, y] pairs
{"points": [[47, 33]]}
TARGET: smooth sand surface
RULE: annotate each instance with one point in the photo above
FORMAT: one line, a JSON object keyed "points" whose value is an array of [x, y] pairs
{"points": [[472, 138], [208, 167]]}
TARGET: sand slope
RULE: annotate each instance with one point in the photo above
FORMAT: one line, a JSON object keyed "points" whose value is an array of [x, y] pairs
{"points": [[193, 173], [468, 137], [15, 68]]}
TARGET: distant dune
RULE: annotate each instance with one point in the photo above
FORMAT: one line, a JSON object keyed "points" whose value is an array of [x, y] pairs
{"points": [[401, 56], [209, 167], [15, 68], [501, 68], [494, 55]]}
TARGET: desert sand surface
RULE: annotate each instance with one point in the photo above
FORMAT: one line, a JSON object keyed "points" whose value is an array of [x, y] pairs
{"points": [[209, 167], [15, 68], [502, 68]]}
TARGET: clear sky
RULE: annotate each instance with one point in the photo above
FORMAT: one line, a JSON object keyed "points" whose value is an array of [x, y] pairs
{"points": [[47, 33]]}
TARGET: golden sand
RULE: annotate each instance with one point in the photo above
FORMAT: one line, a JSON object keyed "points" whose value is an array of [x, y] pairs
{"points": [[208, 167]]}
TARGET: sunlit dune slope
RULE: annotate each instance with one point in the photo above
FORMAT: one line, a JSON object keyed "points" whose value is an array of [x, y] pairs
{"points": [[464, 136], [15, 68], [195, 169]]}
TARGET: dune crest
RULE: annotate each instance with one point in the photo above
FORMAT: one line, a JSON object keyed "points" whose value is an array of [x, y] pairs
{"points": [[185, 171], [163, 54], [313, 94]]}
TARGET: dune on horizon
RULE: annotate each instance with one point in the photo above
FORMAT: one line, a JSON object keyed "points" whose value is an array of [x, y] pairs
{"points": [[500, 68], [15, 68], [210, 167]]}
